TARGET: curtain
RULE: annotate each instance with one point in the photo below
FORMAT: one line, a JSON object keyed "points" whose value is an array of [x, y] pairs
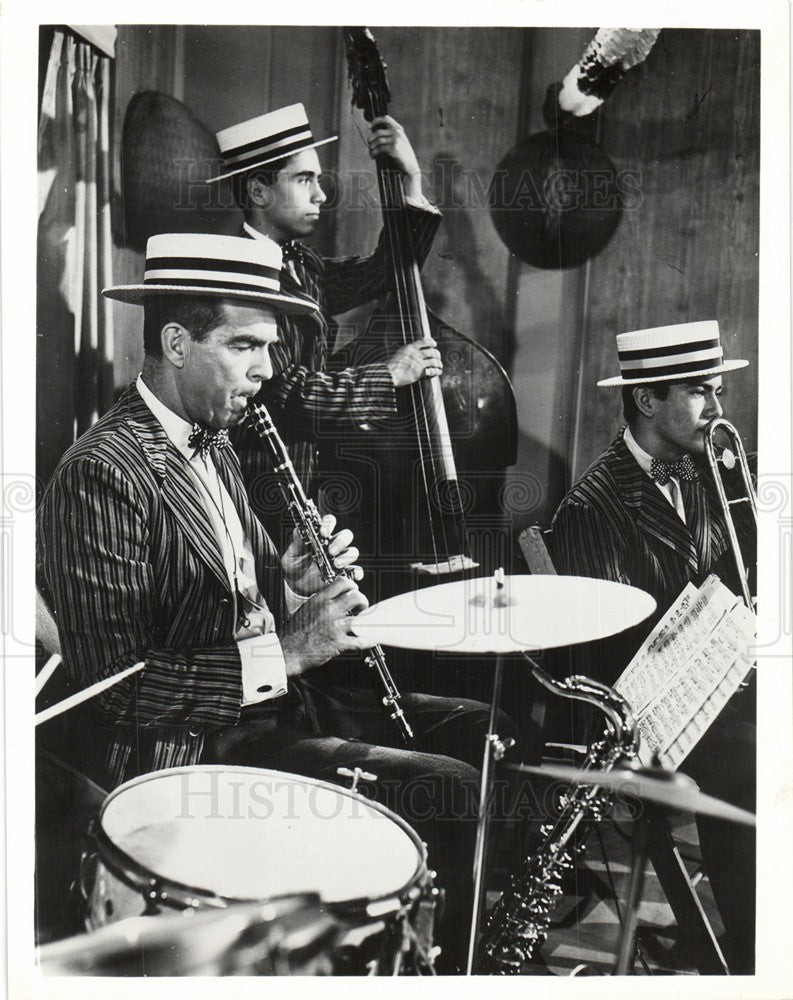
{"points": [[74, 323]]}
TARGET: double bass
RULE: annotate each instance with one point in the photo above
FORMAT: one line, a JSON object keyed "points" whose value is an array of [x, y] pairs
{"points": [[429, 485]]}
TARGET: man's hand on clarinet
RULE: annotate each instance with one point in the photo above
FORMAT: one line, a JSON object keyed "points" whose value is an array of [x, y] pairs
{"points": [[300, 570], [320, 628], [413, 361]]}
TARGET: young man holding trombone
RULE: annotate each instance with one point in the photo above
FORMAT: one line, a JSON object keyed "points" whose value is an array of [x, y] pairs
{"points": [[648, 512]]}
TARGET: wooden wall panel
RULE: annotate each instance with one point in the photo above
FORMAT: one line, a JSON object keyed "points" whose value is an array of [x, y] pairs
{"points": [[145, 60], [456, 91], [546, 317], [688, 120]]}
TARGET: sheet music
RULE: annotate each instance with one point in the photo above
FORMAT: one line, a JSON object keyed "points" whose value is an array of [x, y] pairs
{"points": [[687, 669]]}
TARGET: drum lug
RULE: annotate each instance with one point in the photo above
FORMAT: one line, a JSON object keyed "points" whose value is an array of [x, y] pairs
{"points": [[418, 934], [357, 774], [86, 858], [154, 896]]}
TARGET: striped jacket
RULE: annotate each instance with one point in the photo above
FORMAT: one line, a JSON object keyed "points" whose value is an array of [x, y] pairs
{"points": [[614, 524], [312, 392], [134, 572]]}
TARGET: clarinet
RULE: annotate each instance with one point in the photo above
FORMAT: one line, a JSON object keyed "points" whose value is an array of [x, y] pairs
{"points": [[308, 522]]}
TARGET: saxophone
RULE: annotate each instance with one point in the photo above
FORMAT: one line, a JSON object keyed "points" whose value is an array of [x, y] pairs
{"points": [[308, 522], [518, 923]]}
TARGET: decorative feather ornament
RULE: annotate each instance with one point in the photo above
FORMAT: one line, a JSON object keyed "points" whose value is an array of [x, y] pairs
{"points": [[607, 58]]}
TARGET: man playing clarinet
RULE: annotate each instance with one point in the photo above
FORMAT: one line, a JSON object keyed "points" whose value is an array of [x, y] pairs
{"points": [[150, 552]]}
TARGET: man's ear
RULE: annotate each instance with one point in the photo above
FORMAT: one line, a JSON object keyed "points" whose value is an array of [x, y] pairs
{"points": [[259, 193], [645, 400], [174, 340]]}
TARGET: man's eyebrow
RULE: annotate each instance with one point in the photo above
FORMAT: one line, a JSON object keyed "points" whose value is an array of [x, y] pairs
{"points": [[247, 338]]}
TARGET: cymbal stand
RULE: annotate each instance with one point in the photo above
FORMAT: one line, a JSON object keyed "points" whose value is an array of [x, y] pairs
{"points": [[495, 748], [625, 957], [653, 841]]}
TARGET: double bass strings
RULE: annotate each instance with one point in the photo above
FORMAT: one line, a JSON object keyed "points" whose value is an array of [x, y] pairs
{"points": [[392, 201], [411, 304]]}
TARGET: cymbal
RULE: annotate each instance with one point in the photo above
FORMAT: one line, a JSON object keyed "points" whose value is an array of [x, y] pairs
{"points": [[188, 942], [666, 788], [528, 612]]}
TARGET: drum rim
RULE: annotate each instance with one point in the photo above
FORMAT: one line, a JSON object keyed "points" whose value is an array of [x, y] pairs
{"points": [[160, 888]]}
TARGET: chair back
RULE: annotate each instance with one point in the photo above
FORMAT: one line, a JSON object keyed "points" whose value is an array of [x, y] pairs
{"points": [[535, 551], [46, 629]]}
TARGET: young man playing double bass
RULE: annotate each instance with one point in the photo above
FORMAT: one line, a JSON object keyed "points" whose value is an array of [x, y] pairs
{"points": [[275, 171]]}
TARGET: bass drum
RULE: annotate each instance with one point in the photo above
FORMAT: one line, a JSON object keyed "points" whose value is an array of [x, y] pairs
{"points": [[194, 837]]}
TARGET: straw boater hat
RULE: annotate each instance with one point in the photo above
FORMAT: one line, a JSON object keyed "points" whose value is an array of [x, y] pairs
{"points": [[265, 139], [207, 264], [683, 351]]}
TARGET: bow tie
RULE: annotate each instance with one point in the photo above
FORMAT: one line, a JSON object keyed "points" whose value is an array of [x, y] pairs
{"points": [[293, 252], [682, 468], [202, 439]]}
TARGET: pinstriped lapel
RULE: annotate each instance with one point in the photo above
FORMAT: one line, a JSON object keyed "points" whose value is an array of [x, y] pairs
{"points": [[654, 515], [180, 494], [178, 489], [706, 520]]}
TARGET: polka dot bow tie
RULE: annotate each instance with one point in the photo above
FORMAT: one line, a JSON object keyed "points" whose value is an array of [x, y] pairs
{"points": [[202, 439], [293, 252], [683, 468]]}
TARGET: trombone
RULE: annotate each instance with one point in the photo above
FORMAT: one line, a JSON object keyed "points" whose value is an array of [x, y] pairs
{"points": [[729, 457]]}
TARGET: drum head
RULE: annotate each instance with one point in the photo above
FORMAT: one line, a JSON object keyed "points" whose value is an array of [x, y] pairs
{"points": [[245, 833]]}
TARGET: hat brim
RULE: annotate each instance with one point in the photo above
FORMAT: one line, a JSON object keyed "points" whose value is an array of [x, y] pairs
{"points": [[725, 366], [271, 159], [136, 295]]}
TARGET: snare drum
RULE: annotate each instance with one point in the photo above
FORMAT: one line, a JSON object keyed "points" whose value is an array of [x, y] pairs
{"points": [[194, 837]]}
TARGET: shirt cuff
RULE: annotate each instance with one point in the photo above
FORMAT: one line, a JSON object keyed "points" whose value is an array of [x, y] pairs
{"points": [[263, 668], [293, 599]]}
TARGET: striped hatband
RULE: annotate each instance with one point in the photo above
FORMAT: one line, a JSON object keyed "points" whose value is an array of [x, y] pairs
{"points": [[262, 140], [208, 264], [664, 353]]}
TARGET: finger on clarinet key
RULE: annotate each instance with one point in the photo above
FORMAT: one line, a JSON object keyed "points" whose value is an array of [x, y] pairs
{"points": [[327, 524], [340, 542]]}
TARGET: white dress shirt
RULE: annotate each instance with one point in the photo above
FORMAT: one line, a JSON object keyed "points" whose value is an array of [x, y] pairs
{"points": [[263, 666], [670, 490]]}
